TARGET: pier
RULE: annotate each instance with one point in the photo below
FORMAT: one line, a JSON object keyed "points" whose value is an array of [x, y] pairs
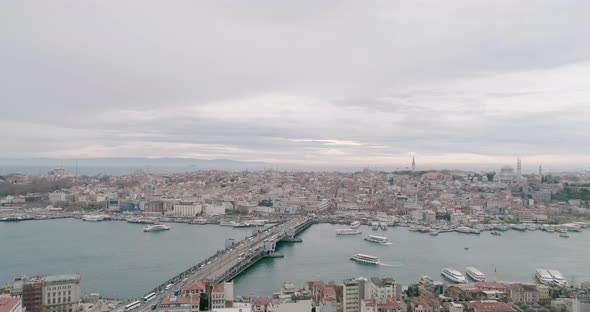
{"points": [[228, 263]]}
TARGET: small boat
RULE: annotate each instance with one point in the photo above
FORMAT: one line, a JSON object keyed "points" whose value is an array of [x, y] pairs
{"points": [[156, 228], [383, 226], [355, 224], [453, 275], [564, 235], [501, 228], [496, 233], [424, 280], [434, 233], [375, 226], [93, 218], [226, 223], [466, 248], [347, 232], [519, 227], [475, 274], [366, 259], [378, 239]]}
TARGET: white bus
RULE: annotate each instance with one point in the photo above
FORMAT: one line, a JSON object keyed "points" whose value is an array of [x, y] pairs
{"points": [[149, 297], [132, 305]]}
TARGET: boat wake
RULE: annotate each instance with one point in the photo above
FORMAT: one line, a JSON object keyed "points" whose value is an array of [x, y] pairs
{"points": [[390, 265]]}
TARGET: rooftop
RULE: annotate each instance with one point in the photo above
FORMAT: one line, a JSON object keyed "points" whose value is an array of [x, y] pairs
{"points": [[7, 304], [62, 278]]}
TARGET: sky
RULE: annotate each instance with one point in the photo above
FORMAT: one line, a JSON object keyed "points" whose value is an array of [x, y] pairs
{"points": [[319, 83]]}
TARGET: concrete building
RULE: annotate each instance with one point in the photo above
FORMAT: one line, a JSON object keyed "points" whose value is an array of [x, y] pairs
{"points": [[61, 293], [382, 288], [354, 291], [180, 304], [11, 304], [527, 293], [57, 197], [32, 294], [214, 210], [187, 210], [222, 295]]}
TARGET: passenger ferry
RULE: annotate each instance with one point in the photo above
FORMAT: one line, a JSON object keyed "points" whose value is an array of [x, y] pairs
{"points": [[453, 275], [557, 277], [475, 274], [375, 226], [347, 232], [366, 259], [544, 277], [355, 224], [378, 239], [156, 228]]}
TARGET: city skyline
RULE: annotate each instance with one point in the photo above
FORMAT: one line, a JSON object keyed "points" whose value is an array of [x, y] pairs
{"points": [[332, 84]]}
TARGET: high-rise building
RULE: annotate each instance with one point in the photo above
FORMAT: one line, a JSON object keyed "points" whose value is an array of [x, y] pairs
{"points": [[33, 295], [354, 291], [383, 288], [413, 164]]}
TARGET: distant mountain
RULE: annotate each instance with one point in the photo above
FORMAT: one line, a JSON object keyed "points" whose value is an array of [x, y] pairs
{"points": [[123, 165]]}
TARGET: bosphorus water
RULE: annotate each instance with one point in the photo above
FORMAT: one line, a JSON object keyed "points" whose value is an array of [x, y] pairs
{"points": [[118, 259]]}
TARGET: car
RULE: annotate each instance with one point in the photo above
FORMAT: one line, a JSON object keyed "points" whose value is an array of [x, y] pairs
{"points": [[185, 279], [209, 262], [168, 286]]}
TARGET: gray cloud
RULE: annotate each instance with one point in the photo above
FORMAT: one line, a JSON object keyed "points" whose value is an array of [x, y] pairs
{"points": [[317, 82]]}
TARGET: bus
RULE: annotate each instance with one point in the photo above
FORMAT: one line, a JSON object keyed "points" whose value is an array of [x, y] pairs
{"points": [[149, 297], [132, 305]]}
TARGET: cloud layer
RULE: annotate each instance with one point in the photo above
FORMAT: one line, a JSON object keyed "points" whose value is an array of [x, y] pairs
{"points": [[306, 82]]}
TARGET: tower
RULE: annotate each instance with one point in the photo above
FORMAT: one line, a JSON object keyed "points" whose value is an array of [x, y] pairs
{"points": [[518, 167], [540, 170], [413, 164]]}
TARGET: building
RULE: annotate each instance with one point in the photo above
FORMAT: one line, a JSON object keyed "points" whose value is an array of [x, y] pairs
{"points": [[354, 291], [32, 294], [262, 304], [490, 306], [180, 304], [527, 293], [543, 291], [11, 304], [383, 288], [422, 305], [187, 210], [193, 288], [222, 295], [57, 197], [61, 293], [454, 307], [214, 210]]}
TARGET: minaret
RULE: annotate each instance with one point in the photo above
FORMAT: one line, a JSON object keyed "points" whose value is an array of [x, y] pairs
{"points": [[413, 164]]}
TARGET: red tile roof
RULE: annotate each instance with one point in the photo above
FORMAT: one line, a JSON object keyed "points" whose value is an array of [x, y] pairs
{"points": [[491, 306], [194, 286], [218, 288], [390, 304], [262, 301], [7, 304]]}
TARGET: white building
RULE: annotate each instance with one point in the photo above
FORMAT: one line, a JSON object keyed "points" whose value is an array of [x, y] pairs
{"points": [[11, 304], [383, 288], [57, 197], [61, 293], [214, 210], [354, 291], [221, 294], [187, 210]]}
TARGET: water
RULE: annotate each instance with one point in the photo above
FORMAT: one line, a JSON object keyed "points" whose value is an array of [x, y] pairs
{"points": [[118, 259]]}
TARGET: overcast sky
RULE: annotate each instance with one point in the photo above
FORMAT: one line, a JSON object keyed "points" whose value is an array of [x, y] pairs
{"points": [[298, 82]]}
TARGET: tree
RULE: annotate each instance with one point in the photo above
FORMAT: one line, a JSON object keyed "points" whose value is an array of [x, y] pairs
{"points": [[491, 175]]}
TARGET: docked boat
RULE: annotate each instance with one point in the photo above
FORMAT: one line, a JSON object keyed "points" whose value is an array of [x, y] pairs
{"points": [[227, 223], [424, 280], [141, 220], [93, 218], [355, 224], [413, 228], [453, 275], [15, 219], [156, 228], [383, 226], [519, 227], [434, 233], [464, 230], [501, 228], [347, 232], [557, 277], [241, 225], [375, 226], [378, 239], [366, 259], [475, 274], [544, 277], [496, 233]]}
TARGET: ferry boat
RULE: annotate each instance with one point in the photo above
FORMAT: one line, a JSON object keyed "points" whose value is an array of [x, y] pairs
{"points": [[464, 230], [475, 274], [378, 239], [501, 228], [241, 225], [156, 228], [557, 277], [141, 220], [366, 259], [227, 223], [518, 227], [424, 280], [375, 226], [544, 277], [347, 232], [93, 218], [453, 275], [355, 224], [383, 226]]}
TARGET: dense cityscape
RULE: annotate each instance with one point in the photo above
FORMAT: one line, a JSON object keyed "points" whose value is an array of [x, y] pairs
{"points": [[278, 205]]}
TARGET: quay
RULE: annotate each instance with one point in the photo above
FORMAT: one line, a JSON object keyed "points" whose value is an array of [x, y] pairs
{"points": [[228, 263]]}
